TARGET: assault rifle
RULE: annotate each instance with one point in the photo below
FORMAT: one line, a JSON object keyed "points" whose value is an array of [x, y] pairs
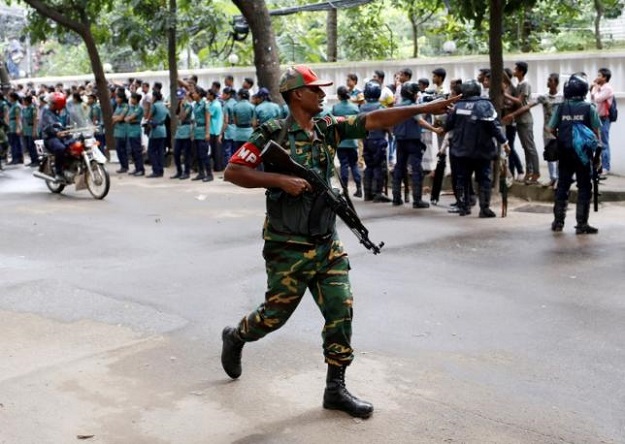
{"points": [[276, 157], [595, 178]]}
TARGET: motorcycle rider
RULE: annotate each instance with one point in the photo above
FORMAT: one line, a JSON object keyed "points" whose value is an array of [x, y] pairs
{"points": [[52, 131]]}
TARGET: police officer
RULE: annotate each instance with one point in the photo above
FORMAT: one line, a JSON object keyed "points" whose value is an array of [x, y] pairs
{"points": [[265, 108], [133, 120], [201, 135], [296, 259], [574, 109], [15, 129], [29, 125], [348, 148], [182, 138], [156, 143], [410, 149], [475, 124], [243, 114], [374, 151], [120, 131]]}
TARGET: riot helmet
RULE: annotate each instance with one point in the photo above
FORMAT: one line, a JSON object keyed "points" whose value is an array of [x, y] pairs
{"points": [[373, 91], [409, 91], [576, 87], [471, 88]]}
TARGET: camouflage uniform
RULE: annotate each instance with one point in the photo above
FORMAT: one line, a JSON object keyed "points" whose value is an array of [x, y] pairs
{"points": [[294, 259]]}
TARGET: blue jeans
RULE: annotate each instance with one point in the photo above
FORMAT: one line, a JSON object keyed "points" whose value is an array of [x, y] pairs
{"points": [[348, 158], [156, 153], [15, 141], [29, 144], [605, 141]]}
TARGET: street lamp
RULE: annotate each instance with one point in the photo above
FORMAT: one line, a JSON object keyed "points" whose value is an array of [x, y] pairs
{"points": [[233, 59], [449, 47]]}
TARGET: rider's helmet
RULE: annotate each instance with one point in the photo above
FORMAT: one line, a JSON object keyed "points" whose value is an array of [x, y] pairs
{"points": [[372, 91], [57, 100], [576, 87]]}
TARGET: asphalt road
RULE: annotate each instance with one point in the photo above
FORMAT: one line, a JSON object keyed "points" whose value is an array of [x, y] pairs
{"points": [[466, 330]]}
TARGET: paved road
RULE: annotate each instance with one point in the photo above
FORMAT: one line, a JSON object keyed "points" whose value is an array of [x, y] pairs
{"points": [[466, 330]]}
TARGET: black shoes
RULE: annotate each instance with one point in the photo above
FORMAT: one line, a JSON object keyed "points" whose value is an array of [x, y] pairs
{"points": [[397, 201], [420, 204], [486, 212], [585, 229], [336, 396], [176, 176], [199, 177], [154, 176], [208, 178], [231, 352], [122, 170], [185, 176]]}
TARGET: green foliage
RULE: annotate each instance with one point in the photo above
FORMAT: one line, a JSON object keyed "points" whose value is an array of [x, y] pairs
{"points": [[67, 60], [363, 33]]}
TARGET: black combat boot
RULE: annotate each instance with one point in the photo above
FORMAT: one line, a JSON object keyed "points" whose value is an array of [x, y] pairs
{"points": [[231, 352], [336, 396], [583, 210], [417, 194], [358, 192], [559, 213], [485, 210], [462, 205]]}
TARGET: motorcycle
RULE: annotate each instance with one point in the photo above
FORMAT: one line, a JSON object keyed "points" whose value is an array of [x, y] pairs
{"points": [[83, 165]]}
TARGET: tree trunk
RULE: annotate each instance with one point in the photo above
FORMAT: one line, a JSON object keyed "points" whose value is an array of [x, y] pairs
{"points": [[102, 87], [173, 69], [600, 10], [496, 63], [265, 48], [415, 36], [331, 29]]}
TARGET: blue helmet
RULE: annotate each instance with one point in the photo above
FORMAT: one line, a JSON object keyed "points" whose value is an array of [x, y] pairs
{"points": [[372, 91], [576, 87], [471, 88], [409, 90]]}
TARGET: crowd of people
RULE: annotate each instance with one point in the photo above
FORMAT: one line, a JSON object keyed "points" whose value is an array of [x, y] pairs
{"points": [[216, 121]]}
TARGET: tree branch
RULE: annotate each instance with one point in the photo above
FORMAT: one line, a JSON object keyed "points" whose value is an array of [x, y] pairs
{"points": [[57, 16]]}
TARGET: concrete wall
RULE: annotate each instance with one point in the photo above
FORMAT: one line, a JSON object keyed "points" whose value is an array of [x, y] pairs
{"points": [[540, 66]]}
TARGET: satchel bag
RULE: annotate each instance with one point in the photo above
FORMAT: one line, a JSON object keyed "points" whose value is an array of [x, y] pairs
{"points": [[550, 154]]}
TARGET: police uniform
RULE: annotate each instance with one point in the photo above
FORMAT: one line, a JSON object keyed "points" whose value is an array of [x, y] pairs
{"points": [[15, 142], [156, 143], [348, 148], [4, 141], [474, 123], [243, 114], [374, 154], [228, 138], [29, 114], [135, 134], [120, 132], [410, 150], [95, 116], [182, 142], [571, 165], [201, 136]]}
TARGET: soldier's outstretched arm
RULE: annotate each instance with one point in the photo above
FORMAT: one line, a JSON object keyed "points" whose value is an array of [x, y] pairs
{"points": [[386, 118]]}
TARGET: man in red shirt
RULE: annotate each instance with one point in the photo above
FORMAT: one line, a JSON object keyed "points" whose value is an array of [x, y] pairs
{"points": [[602, 95]]}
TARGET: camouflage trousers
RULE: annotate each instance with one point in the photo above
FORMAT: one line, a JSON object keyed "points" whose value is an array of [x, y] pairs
{"points": [[293, 268]]}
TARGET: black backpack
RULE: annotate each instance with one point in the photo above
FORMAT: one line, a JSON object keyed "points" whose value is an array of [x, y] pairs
{"points": [[613, 112]]}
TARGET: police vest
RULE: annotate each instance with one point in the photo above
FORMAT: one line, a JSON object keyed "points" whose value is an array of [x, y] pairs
{"points": [[366, 108], [568, 113], [409, 129]]}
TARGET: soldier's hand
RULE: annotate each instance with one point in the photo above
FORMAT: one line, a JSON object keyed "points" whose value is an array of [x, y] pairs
{"points": [[439, 106], [295, 185]]}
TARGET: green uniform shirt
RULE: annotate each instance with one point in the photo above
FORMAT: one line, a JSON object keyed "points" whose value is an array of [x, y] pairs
{"points": [[243, 116], [95, 116], [345, 108], [28, 120], [199, 116], [184, 127], [13, 112], [229, 112], [266, 111], [159, 114], [134, 127], [120, 129]]}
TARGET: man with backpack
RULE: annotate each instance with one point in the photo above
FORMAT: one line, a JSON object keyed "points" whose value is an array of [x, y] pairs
{"points": [[602, 95], [577, 126]]}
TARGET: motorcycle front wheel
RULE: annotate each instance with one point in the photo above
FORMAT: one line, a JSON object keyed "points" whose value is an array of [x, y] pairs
{"points": [[101, 183], [48, 169]]}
